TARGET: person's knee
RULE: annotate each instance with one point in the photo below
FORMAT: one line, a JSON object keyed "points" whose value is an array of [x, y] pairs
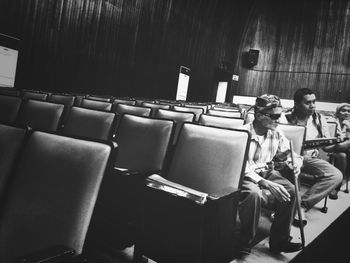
{"points": [[340, 155], [253, 197], [337, 176], [251, 201]]}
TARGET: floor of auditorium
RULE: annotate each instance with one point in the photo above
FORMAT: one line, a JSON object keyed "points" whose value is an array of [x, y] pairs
{"points": [[325, 238]]}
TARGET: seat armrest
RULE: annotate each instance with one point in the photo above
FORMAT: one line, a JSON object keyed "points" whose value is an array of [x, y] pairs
{"points": [[55, 254], [225, 193], [157, 182], [133, 173]]}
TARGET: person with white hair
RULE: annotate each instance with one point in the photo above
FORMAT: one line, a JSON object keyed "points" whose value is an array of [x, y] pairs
{"points": [[342, 150]]}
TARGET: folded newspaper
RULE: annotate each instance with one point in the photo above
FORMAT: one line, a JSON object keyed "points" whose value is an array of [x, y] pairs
{"points": [[158, 182]]}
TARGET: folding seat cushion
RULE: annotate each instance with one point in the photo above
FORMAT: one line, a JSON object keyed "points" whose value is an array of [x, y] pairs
{"points": [[93, 124], [155, 106], [197, 111], [27, 94], [177, 116], [9, 108], [232, 114], [40, 114], [51, 196], [142, 149], [65, 99], [96, 104], [132, 109], [195, 202], [11, 139], [195, 105], [123, 101], [99, 98], [221, 121], [10, 92]]}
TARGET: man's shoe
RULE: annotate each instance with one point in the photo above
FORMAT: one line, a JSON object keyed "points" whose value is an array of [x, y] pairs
{"points": [[296, 222], [333, 195], [287, 247], [243, 252]]}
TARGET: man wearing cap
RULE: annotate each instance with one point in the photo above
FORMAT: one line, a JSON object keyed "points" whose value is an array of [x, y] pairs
{"points": [[327, 176], [267, 187]]}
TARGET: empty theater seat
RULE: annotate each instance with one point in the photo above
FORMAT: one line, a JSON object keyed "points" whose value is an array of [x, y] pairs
{"points": [[190, 212], [11, 139], [96, 104], [92, 124], [65, 99], [197, 111], [10, 91], [99, 98], [40, 114], [132, 109], [154, 107], [123, 101], [9, 108], [221, 121], [37, 95], [177, 116], [232, 114], [51, 197], [195, 105], [142, 149]]}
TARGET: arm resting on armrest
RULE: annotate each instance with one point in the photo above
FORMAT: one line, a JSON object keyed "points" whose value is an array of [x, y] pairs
{"points": [[225, 193], [53, 254]]}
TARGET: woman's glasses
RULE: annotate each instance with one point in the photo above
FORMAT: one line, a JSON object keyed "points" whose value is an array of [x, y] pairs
{"points": [[345, 110]]}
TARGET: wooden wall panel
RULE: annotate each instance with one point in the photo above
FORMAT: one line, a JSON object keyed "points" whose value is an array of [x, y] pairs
{"points": [[123, 47], [302, 44]]}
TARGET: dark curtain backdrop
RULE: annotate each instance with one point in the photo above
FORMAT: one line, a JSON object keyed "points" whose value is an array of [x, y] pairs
{"points": [[123, 47], [135, 47], [301, 44]]}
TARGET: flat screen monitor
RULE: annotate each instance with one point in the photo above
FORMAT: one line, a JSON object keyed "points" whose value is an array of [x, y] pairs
{"points": [[8, 60]]}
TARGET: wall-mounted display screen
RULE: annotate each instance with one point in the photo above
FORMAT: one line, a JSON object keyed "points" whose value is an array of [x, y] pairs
{"points": [[8, 60]]}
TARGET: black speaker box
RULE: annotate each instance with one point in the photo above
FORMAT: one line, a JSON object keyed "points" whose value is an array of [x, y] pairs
{"points": [[252, 57]]}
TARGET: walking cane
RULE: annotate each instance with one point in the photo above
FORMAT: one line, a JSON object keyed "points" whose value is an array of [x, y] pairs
{"points": [[297, 196]]}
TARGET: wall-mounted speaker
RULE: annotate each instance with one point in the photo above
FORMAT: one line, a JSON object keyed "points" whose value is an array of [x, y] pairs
{"points": [[252, 57]]}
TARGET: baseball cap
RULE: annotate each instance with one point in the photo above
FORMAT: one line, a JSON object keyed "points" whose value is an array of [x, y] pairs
{"points": [[266, 102]]}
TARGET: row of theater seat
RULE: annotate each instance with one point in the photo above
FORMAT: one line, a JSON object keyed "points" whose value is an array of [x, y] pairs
{"points": [[91, 121], [116, 221], [143, 145], [144, 148], [77, 100]]}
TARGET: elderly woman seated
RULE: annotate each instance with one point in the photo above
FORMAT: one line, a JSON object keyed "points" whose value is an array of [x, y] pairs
{"points": [[342, 151]]}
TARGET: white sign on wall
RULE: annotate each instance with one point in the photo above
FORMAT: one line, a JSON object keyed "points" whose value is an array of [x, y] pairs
{"points": [[8, 64], [8, 60], [182, 85]]}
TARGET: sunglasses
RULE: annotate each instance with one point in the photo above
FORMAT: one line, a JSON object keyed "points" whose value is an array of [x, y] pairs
{"points": [[345, 110], [272, 116]]}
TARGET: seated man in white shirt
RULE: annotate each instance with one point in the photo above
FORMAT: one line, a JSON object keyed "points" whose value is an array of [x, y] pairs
{"points": [[263, 186]]}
